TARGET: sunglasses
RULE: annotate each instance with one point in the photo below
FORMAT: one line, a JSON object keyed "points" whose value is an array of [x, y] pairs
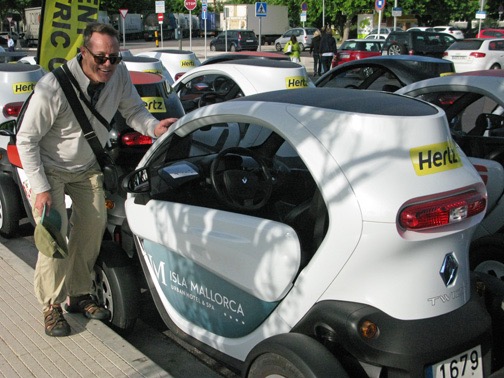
{"points": [[101, 59]]}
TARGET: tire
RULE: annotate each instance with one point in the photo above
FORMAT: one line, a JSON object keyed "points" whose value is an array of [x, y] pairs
{"points": [[11, 206], [278, 47], [115, 287], [487, 255], [232, 48], [292, 355], [212, 47], [301, 47], [495, 66], [396, 49]]}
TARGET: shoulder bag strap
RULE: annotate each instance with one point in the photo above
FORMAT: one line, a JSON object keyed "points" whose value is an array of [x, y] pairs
{"points": [[84, 99], [81, 116]]}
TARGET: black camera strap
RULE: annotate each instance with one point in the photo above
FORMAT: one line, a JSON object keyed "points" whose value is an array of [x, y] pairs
{"points": [[81, 116]]}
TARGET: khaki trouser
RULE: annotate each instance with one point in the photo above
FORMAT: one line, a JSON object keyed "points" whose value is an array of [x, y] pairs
{"points": [[55, 279]]}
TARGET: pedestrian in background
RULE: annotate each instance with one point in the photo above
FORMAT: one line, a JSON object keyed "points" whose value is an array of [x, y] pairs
{"points": [[293, 49], [10, 43], [58, 159], [327, 49], [315, 52]]}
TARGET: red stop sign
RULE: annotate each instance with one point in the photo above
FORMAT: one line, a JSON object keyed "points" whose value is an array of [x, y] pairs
{"points": [[190, 4], [160, 17]]}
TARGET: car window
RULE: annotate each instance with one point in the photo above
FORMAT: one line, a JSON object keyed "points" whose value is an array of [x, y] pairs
{"points": [[179, 169], [466, 45], [248, 34], [207, 89], [365, 77]]}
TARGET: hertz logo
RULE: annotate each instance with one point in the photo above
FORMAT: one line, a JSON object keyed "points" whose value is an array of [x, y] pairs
{"points": [[154, 104], [435, 158], [295, 82], [187, 63], [21, 88]]}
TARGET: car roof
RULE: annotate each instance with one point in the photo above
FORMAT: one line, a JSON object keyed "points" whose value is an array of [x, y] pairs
{"points": [[484, 84], [347, 100], [245, 55], [407, 68]]}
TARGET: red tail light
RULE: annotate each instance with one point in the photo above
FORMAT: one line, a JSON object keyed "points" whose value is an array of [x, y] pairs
{"points": [[178, 75], [135, 139], [443, 209], [477, 54], [12, 109]]}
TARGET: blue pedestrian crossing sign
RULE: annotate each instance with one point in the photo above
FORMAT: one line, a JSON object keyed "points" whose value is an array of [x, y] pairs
{"points": [[261, 9]]}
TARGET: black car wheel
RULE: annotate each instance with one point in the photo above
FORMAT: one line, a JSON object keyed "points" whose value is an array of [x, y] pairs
{"points": [[232, 48], [292, 355], [396, 49], [10, 206], [487, 255], [278, 47], [115, 286], [212, 47]]}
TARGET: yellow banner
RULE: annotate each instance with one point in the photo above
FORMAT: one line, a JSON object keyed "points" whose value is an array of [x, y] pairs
{"points": [[63, 23]]}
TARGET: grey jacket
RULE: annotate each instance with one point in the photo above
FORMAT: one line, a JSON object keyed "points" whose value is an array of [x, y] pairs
{"points": [[50, 134]]}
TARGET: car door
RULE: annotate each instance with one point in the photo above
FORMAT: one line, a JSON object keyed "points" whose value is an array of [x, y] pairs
{"points": [[220, 268]]}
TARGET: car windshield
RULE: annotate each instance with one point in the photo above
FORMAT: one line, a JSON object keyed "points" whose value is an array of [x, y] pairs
{"points": [[466, 45], [247, 34]]}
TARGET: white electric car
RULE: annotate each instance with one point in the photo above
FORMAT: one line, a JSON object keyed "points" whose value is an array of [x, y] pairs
{"points": [[302, 234]]}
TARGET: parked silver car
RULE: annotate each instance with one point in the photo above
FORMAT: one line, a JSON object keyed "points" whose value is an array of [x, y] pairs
{"points": [[303, 35]]}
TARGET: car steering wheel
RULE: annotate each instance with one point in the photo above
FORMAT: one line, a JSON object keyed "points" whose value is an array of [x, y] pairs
{"points": [[239, 187], [210, 98]]}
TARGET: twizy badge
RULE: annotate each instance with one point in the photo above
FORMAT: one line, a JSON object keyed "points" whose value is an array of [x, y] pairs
{"points": [[295, 82], [434, 158]]}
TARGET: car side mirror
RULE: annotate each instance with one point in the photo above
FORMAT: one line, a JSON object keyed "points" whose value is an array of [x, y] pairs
{"points": [[137, 181], [8, 128]]}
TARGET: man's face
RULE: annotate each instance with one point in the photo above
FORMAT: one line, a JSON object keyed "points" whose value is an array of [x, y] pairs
{"points": [[100, 45]]}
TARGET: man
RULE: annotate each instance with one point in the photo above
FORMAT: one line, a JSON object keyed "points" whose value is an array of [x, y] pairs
{"points": [[327, 49], [58, 159]]}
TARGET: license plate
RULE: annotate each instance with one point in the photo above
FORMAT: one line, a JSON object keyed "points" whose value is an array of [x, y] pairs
{"points": [[458, 57], [466, 364], [344, 56]]}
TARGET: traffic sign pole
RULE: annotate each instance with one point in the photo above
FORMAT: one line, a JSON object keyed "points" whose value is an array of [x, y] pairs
{"points": [[123, 12]]}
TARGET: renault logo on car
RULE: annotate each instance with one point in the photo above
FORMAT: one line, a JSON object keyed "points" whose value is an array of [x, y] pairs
{"points": [[449, 269]]}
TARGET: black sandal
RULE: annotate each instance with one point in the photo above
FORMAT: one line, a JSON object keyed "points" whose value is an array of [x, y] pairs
{"points": [[85, 304]]}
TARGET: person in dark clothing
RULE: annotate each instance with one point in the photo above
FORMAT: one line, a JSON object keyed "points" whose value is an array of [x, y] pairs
{"points": [[327, 49], [315, 52]]}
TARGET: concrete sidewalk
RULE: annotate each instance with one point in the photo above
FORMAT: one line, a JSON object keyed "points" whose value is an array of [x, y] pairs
{"points": [[92, 350]]}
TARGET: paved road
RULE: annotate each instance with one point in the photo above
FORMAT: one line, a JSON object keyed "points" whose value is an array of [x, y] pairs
{"points": [[150, 336]]}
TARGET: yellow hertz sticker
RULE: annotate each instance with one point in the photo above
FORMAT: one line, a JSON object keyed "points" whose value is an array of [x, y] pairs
{"points": [[187, 63], [295, 82], [154, 104], [435, 158], [21, 88]]}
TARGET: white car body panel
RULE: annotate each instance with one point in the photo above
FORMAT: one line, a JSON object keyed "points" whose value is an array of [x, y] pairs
{"points": [[175, 61], [364, 247]]}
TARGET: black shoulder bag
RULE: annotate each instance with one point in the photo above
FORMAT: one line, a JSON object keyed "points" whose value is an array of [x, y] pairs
{"points": [[110, 173]]}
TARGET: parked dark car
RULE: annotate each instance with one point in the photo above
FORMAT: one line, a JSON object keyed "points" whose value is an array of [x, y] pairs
{"points": [[417, 43], [237, 40], [387, 73]]}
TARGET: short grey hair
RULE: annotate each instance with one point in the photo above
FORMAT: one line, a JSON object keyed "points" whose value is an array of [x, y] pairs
{"points": [[98, 27]]}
